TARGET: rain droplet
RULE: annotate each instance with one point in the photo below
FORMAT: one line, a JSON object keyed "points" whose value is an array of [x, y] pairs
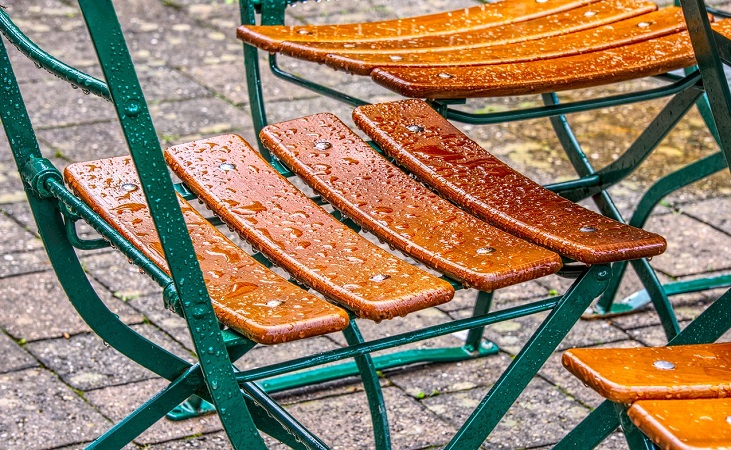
{"points": [[303, 32], [485, 250], [129, 187], [541, 1], [728, 419], [380, 277], [274, 303], [395, 58], [644, 24], [348, 45], [589, 14], [587, 229], [663, 365], [227, 166], [415, 128], [445, 75], [323, 145]]}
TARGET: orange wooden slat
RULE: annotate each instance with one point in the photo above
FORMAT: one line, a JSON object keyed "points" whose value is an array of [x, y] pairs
{"points": [[361, 57], [296, 234], [685, 424], [634, 30], [380, 197], [429, 146], [269, 38], [628, 62], [625, 375], [246, 296]]}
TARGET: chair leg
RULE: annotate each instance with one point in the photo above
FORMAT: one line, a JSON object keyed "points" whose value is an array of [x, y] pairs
{"points": [[530, 359], [636, 439], [474, 341], [372, 386]]}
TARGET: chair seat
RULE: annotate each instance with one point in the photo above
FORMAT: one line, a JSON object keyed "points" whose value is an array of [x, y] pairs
{"points": [[428, 146], [685, 424], [298, 235], [386, 201], [625, 375], [246, 296], [504, 48]]}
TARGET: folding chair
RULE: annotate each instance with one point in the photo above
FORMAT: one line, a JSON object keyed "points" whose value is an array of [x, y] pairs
{"points": [[514, 48], [231, 302]]}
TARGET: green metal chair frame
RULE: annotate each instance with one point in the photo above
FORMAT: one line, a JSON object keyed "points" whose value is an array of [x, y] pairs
{"points": [[239, 397], [592, 182]]}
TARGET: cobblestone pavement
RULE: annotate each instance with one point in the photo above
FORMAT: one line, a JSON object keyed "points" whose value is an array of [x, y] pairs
{"points": [[60, 386]]}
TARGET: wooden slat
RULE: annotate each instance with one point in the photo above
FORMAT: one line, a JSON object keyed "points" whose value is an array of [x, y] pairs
{"points": [[443, 157], [685, 424], [628, 62], [246, 296], [532, 39], [634, 30], [625, 375], [377, 195], [269, 38], [295, 233]]}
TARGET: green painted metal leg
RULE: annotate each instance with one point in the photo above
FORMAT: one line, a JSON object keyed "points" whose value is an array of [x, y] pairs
{"points": [[474, 341], [372, 386], [154, 409], [606, 306], [636, 440], [530, 359]]}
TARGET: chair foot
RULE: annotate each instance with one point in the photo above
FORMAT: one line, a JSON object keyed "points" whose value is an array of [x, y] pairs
{"points": [[193, 407], [640, 299]]}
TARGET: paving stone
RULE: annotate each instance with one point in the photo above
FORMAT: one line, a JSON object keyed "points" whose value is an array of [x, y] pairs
{"points": [[686, 307], [214, 441], [693, 247], [85, 362], [344, 422], [46, 413], [436, 379], [117, 402], [151, 306], [540, 416], [35, 307], [653, 336], [121, 278], [14, 264], [193, 119], [66, 107], [13, 238], [14, 357], [714, 212]]}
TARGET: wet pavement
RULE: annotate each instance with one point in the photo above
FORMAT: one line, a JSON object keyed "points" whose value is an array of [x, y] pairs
{"points": [[60, 386]]}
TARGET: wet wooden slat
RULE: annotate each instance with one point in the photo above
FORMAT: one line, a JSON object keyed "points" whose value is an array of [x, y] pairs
{"points": [[628, 62], [547, 37], [246, 296], [380, 197], [626, 32], [427, 145], [296, 234], [626, 375], [685, 424], [269, 38]]}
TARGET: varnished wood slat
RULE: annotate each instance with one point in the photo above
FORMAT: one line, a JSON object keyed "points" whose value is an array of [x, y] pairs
{"points": [[269, 38], [380, 197], [435, 151], [601, 25], [295, 233], [618, 34], [246, 296], [685, 424], [628, 62], [625, 375]]}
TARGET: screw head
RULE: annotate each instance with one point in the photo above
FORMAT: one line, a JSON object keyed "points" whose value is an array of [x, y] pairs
{"points": [[227, 166], [415, 128], [323, 145], [663, 365]]}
